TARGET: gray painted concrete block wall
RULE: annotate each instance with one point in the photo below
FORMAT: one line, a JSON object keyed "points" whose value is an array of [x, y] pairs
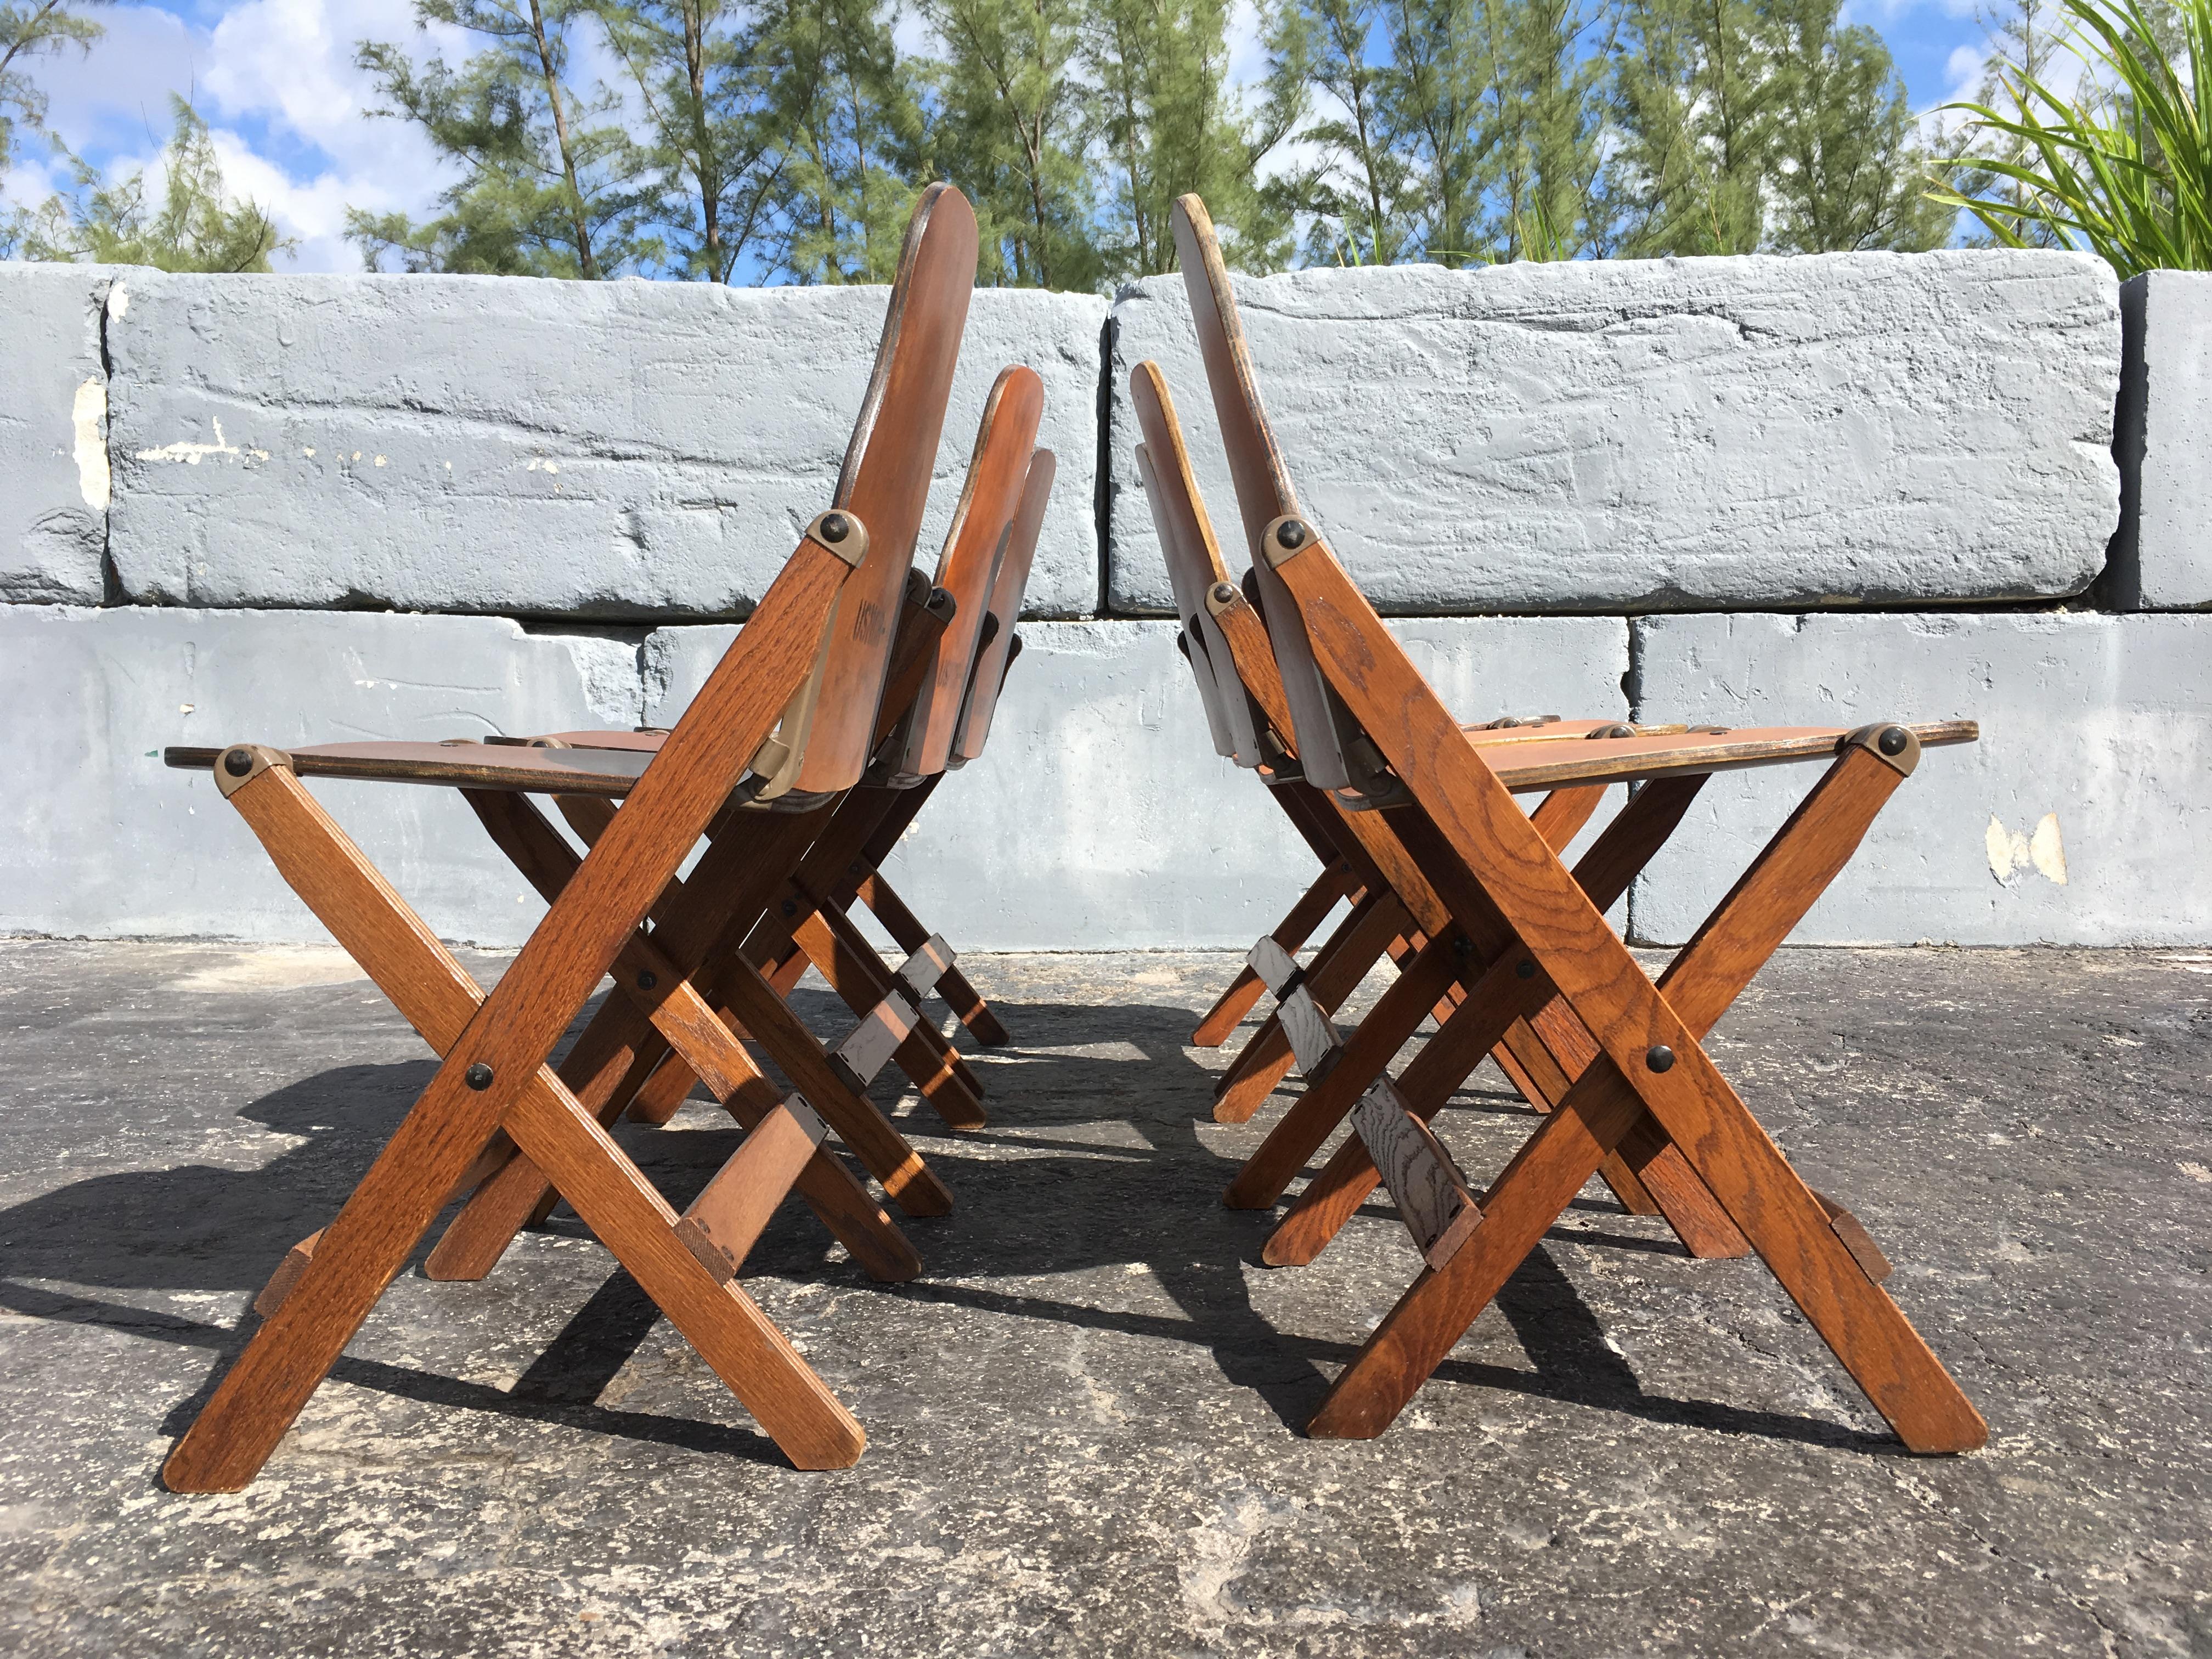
{"points": [[2080, 816], [53, 434], [1675, 434], [1098, 817], [1814, 426], [477, 444], [2162, 556]]}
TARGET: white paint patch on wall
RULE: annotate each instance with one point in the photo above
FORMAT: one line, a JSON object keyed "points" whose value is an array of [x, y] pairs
{"points": [[88, 416], [2012, 854]]}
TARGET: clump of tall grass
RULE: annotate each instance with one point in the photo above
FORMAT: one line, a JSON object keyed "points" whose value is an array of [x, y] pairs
{"points": [[2124, 166]]}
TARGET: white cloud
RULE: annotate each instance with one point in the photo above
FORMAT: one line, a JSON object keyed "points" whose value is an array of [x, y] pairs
{"points": [[277, 83]]}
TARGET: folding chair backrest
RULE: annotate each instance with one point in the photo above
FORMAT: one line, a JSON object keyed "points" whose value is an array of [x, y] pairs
{"points": [[989, 500], [1194, 565], [1264, 494], [884, 482], [1017, 553]]}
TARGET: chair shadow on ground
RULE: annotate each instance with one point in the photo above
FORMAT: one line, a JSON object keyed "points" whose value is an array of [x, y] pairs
{"points": [[1090, 1162]]}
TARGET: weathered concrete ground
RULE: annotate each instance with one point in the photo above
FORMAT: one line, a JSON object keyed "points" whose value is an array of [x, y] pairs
{"points": [[1083, 1421]]}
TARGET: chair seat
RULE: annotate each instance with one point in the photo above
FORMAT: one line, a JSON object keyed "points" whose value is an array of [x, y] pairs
{"points": [[1525, 767], [459, 765]]}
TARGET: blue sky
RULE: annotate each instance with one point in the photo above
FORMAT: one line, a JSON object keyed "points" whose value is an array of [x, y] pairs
{"points": [[275, 81]]}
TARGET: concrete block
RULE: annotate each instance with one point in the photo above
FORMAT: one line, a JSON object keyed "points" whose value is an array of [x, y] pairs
{"points": [[101, 839], [1666, 435], [2081, 818], [53, 434], [2161, 559], [503, 445], [1099, 817]]}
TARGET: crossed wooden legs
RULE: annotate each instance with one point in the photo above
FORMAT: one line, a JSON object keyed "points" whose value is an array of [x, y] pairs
{"points": [[442, 1146], [696, 920]]}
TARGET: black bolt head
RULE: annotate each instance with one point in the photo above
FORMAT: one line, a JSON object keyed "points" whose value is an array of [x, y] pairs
{"points": [[1224, 592], [1893, 740], [1290, 535], [1526, 969], [835, 526], [238, 763], [477, 1076], [1659, 1057], [647, 979], [790, 907]]}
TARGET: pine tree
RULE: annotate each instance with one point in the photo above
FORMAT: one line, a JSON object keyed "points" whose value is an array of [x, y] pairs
{"points": [[851, 128], [1165, 125], [195, 226], [1546, 108], [1695, 103], [1009, 133], [1440, 118], [1359, 193], [1849, 175], [29, 29], [552, 186], [704, 72]]}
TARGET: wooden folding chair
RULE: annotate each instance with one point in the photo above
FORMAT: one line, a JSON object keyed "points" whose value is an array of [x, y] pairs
{"points": [[779, 872], [986, 562], [1239, 678], [944, 686], [808, 668], [1371, 729]]}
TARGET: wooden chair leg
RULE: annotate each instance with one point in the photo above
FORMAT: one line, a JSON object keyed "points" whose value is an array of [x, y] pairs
{"points": [[1498, 1006], [903, 925], [1334, 884], [656, 990], [1342, 964], [459, 1113], [845, 958], [1299, 1133], [1788, 1225]]}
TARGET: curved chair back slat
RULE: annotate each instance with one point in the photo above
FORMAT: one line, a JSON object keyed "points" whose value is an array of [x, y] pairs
{"points": [[1264, 494], [988, 501], [885, 481], [1018, 553]]}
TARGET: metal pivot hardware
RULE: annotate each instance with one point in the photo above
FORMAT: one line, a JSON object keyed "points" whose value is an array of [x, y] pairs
{"points": [[842, 533], [1613, 731], [242, 762], [1893, 745], [1284, 539], [1221, 596]]}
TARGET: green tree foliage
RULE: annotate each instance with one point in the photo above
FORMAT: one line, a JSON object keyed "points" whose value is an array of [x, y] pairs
{"points": [[551, 181], [1008, 130], [1747, 125], [749, 140], [30, 29], [847, 103], [1851, 176], [194, 225], [2123, 165], [706, 77], [1164, 124]]}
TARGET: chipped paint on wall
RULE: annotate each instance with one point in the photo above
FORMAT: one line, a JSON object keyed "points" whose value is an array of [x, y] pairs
{"points": [[88, 415], [2013, 855], [192, 453]]}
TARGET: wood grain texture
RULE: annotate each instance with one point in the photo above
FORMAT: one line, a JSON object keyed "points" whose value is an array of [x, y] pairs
{"points": [[1627, 1015], [1008, 586], [990, 495], [705, 1050], [721, 1224], [1424, 1183], [1299, 1133], [1337, 967], [885, 477], [738, 1341], [1332, 887]]}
